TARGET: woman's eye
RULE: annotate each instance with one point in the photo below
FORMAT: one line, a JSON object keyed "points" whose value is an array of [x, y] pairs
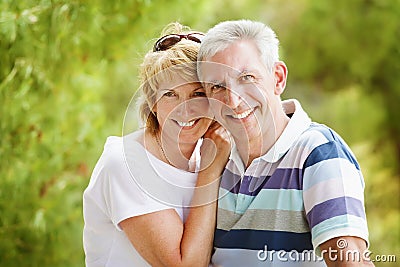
{"points": [[169, 94]]}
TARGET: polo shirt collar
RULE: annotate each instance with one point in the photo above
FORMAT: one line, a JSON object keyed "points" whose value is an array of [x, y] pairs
{"points": [[237, 160], [298, 123]]}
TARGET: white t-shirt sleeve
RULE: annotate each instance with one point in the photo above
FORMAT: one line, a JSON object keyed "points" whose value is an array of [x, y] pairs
{"points": [[121, 195]]}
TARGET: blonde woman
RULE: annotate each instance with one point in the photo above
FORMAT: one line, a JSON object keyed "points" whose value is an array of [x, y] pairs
{"points": [[151, 197]]}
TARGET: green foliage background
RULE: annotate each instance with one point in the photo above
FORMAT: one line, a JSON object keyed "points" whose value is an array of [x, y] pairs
{"points": [[68, 69]]}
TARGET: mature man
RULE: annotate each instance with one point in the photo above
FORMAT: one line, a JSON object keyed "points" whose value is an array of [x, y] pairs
{"points": [[291, 186]]}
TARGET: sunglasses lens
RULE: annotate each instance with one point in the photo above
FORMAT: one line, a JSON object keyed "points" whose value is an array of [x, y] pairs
{"points": [[169, 40], [166, 42], [195, 37]]}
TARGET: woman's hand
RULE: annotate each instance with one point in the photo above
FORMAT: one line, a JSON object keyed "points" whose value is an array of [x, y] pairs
{"points": [[216, 148]]}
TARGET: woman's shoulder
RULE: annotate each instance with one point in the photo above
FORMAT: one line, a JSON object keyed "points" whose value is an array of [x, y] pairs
{"points": [[116, 148]]}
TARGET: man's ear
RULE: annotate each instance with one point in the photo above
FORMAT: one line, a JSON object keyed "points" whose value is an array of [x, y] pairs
{"points": [[280, 73]]}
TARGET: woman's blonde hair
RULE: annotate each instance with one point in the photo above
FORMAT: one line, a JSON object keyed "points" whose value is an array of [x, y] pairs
{"points": [[180, 59]]}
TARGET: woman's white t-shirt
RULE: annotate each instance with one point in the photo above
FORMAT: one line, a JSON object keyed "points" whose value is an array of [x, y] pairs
{"points": [[128, 181]]}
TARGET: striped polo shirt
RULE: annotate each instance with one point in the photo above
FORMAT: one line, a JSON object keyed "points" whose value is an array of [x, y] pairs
{"points": [[307, 189]]}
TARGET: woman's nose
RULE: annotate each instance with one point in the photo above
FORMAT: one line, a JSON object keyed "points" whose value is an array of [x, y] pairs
{"points": [[184, 108], [193, 107]]}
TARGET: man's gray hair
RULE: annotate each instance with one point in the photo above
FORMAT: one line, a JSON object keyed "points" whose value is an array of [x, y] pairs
{"points": [[226, 33]]}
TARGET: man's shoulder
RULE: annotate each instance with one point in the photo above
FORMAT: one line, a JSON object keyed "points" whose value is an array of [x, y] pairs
{"points": [[311, 141], [317, 134], [321, 143], [317, 129]]}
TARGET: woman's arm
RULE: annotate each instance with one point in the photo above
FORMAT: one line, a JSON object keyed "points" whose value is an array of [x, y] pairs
{"points": [[161, 238]]}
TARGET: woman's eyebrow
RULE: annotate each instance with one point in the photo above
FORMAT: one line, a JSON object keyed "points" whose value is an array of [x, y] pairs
{"points": [[165, 90]]}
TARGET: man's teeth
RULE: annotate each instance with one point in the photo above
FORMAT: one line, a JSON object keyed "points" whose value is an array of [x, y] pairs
{"points": [[243, 114], [186, 124]]}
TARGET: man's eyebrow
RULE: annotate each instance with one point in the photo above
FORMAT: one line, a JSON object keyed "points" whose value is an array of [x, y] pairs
{"points": [[246, 71], [213, 82]]}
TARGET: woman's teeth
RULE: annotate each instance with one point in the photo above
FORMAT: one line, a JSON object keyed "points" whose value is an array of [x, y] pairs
{"points": [[186, 124]]}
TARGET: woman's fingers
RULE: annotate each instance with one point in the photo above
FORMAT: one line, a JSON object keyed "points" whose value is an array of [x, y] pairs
{"points": [[216, 146]]}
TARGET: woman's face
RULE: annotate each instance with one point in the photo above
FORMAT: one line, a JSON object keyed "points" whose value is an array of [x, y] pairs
{"points": [[182, 110]]}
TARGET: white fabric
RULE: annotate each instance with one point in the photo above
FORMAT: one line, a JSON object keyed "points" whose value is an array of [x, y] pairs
{"points": [[128, 181]]}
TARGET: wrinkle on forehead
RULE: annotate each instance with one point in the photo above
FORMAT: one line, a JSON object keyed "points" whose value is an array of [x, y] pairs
{"points": [[213, 72]]}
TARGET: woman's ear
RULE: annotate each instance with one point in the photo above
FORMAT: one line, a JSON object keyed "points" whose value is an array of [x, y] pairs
{"points": [[280, 73], [154, 108]]}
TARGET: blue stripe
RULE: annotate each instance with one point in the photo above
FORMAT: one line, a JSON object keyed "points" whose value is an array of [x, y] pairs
{"points": [[257, 239], [251, 186], [230, 181], [284, 178], [330, 150], [335, 207]]}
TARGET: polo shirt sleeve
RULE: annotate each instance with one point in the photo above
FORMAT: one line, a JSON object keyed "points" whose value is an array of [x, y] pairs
{"points": [[117, 190], [333, 193]]}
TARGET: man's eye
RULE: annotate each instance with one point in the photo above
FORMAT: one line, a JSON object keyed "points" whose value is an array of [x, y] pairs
{"points": [[217, 87], [248, 78], [199, 94]]}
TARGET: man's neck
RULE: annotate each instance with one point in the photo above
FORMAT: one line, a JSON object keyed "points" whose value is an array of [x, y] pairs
{"points": [[259, 146]]}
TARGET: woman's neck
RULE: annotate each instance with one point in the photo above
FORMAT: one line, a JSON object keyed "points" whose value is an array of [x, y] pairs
{"points": [[172, 152]]}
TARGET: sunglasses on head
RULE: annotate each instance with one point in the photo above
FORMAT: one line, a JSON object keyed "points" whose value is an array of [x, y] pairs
{"points": [[170, 40]]}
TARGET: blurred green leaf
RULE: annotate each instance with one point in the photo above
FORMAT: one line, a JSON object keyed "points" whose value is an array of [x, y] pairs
{"points": [[68, 69]]}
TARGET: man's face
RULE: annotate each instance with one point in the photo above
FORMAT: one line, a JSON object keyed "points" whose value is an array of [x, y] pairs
{"points": [[242, 91]]}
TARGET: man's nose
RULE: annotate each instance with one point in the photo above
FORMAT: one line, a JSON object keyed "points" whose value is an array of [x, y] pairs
{"points": [[232, 98]]}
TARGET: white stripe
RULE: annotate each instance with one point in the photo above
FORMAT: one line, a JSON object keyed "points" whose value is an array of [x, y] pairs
{"points": [[329, 169], [296, 157], [232, 167], [305, 145], [341, 179]]}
